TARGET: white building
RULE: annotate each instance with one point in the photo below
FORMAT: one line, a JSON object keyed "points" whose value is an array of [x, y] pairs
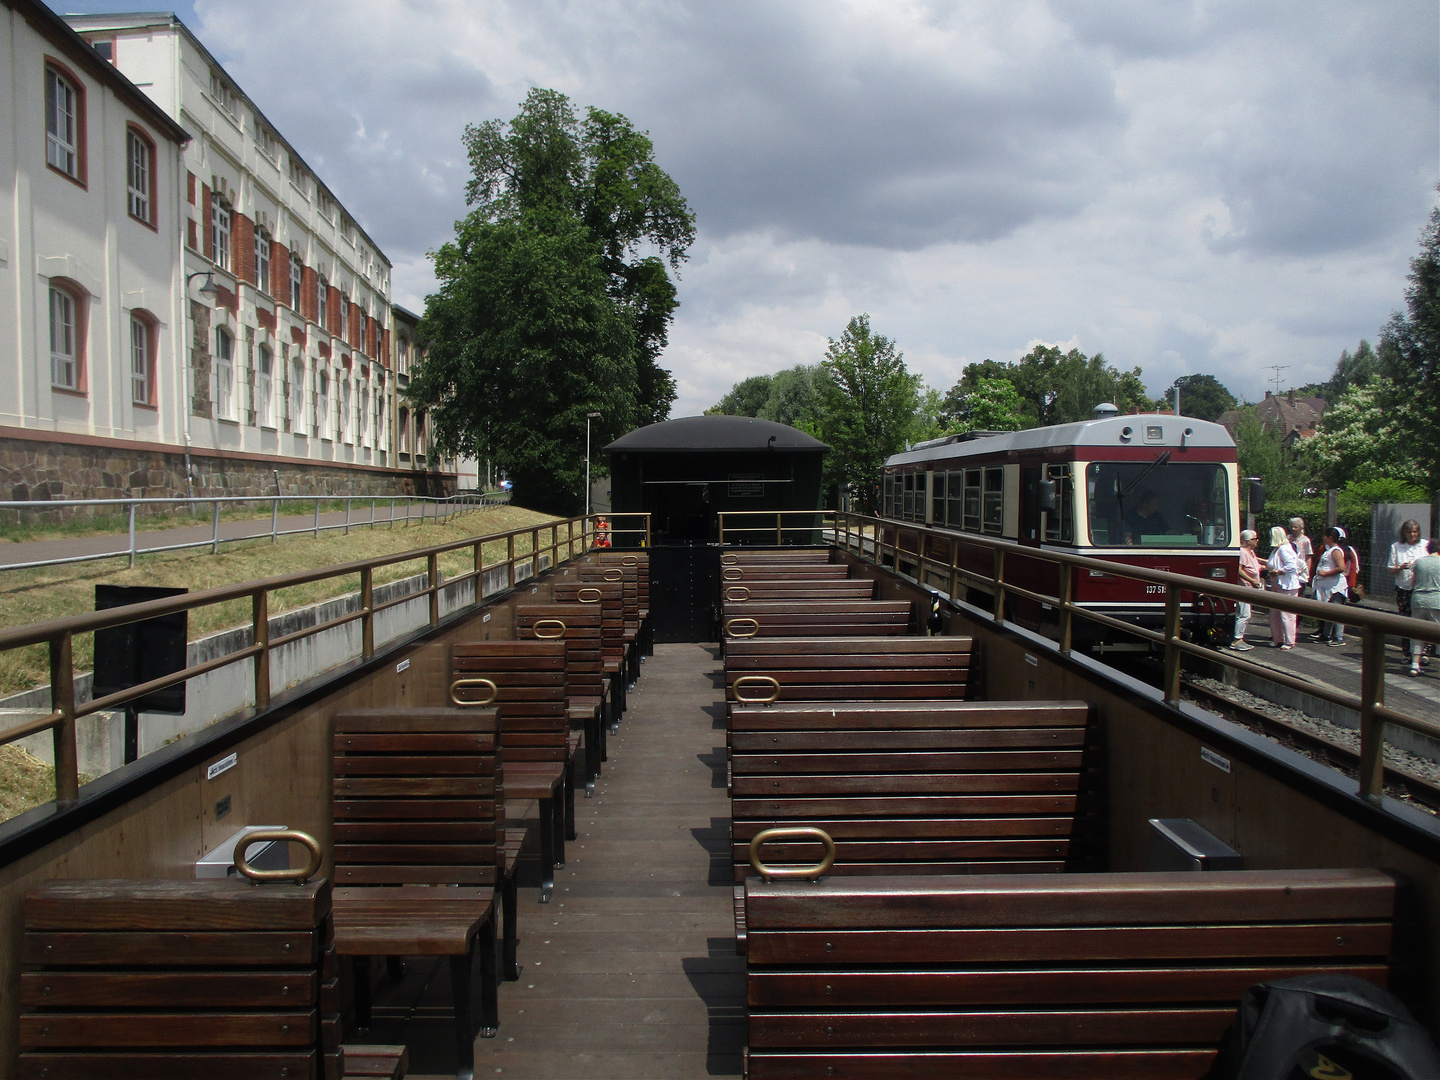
{"points": [[89, 280], [267, 305]]}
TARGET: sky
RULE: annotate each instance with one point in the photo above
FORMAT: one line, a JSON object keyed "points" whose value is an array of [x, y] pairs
{"points": [[1186, 187]]}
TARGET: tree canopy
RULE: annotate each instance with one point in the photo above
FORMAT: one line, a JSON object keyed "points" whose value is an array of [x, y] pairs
{"points": [[869, 403], [1410, 358], [555, 297], [1202, 396], [1055, 387]]}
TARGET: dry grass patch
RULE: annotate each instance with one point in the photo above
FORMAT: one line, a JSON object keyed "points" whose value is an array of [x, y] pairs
{"points": [[30, 596], [25, 782]]}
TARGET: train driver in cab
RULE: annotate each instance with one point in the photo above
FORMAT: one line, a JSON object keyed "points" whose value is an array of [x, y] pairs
{"points": [[1145, 519]]}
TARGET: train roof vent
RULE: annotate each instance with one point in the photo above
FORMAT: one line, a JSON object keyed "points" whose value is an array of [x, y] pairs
{"points": [[1105, 410]]}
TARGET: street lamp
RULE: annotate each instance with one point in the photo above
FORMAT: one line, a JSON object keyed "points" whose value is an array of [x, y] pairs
{"points": [[208, 289], [588, 417]]}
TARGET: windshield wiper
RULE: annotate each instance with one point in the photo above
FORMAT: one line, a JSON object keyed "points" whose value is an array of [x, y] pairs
{"points": [[1163, 459]]}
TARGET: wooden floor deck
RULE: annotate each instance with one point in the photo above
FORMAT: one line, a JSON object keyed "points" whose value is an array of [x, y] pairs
{"points": [[631, 971]]}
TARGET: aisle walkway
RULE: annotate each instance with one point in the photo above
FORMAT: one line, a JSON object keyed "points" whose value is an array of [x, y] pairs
{"points": [[631, 972]]}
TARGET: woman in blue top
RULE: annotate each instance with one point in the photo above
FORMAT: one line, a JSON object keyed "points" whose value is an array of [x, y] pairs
{"points": [[1425, 597]]}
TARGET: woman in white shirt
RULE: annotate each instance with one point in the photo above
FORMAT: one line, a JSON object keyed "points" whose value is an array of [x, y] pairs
{"points": [[1403, 554], [1331, 585], [1283, 570]]}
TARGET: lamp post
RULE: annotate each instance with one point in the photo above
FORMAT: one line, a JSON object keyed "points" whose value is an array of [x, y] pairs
{"points": [[588, 417]]}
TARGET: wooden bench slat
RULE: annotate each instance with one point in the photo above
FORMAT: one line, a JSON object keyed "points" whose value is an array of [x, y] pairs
{"points": [[423, 742], [418, 831], [987, 760], [416, 765], [772, 740], [419, 720], [162, 949], [801, 716], [906, 784], [938, 805], [169, 905], [418, 874], [355, 787], [223, 988], [188, 1029], [1227, 941], [983, 1065], [950, 828], [178, 1066], [428, 809]]}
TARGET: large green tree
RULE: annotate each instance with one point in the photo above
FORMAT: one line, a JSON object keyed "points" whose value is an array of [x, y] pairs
{"points": [[1055, 387], [986, 405], [869, 402], [1202, 396], [1410, 358], [560, 278]]}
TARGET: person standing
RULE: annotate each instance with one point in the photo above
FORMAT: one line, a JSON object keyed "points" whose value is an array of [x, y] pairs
{"points": [[1303, 548], [1404, 553], [1425, 597], [1331, 585], [1250, 575], [1283, 571]]}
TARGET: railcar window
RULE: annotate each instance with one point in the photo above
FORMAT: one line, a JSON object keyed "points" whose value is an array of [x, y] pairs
{"points": [[887, 500], [956, 487], [1143, 504], [994, 500], [972, 499], [909, 514], [937, 499], [1060, 522]]}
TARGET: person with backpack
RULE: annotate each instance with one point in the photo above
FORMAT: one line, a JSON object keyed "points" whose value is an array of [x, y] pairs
{"points": [[1331, 585]]}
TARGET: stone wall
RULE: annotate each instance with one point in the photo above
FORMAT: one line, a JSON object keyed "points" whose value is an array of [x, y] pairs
{"points": [[34, 470]]}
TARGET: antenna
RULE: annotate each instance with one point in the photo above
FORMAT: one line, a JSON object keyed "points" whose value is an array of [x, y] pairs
{"points": [[1277, 368]]}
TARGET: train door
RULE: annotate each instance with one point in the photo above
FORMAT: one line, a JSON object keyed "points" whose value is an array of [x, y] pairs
{"points": [[1030, 506]]}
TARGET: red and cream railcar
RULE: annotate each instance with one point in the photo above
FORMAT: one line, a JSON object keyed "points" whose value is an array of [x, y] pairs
{"points": [[1150, 490]]}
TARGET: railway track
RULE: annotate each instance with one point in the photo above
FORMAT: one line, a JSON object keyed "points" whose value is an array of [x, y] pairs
{"points": [[1402, 783]]}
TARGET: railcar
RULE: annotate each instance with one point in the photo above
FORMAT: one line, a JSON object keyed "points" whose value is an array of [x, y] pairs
{"points": [[1151, 490]]}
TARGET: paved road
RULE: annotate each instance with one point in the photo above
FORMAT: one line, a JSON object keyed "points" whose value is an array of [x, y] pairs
{"points": [[75, 547]]}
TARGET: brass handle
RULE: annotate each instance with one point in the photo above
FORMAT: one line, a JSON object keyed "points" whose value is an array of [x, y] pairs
{"points": [[593, 599], [730, 559], [465, 684], [630, 560], [733, 593], [757, 680], [543, 624], [259, 877], [730, 625], [731, 573], [792, 873], [614, 573]]}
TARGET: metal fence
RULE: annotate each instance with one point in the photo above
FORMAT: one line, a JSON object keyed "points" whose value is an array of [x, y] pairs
{"points": [[418, 509]]}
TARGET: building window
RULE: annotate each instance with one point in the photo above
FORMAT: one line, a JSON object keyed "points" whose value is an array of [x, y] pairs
{"points": [[297, 396], [345, 410], [322, 406], [402, 364], [265, 386], [224, 374], [404, 431], [62, 123], [65, 352], [994, 500], [224, 95], [364, 417], [220, 232], [262, 260], [140, 176], [142, 361], [297, 269], [381, 441], [323, 296]]}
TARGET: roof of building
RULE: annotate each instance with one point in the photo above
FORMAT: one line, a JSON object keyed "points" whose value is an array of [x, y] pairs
{"points": [[137, 20], [76, 48], [705, 434], [1286, 412]]}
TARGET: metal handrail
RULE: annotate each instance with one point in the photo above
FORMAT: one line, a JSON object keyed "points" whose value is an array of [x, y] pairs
{"points": [[859, 534], [446, 507], [575, 536]]}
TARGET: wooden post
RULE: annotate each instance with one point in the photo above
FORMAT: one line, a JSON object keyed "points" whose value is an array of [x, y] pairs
{"points": [[534, 553], [510, 558], [1172, 647], [1372, 728], [954, 569], [62, 701], [1067, 617], [260, 624], [999, 611], [479, 572], [367, 606]]}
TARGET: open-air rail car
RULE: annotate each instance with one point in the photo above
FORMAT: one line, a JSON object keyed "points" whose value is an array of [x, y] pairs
{"points": [[1150, 490]]}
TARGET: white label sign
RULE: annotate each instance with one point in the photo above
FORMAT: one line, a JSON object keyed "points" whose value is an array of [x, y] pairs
{"points": [[225, 764], [401, 666], [1211, 758]]}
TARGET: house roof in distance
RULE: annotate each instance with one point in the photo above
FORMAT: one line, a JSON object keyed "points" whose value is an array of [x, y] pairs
{"points": [[706, 434]]}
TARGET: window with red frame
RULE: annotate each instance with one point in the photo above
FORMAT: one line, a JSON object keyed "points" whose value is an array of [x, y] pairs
{"points": [[67, 346], [140, 176], [142, 359]]}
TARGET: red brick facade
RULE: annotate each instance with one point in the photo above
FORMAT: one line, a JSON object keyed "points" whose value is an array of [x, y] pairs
{"points": [[280, 272], [209, 238], [242, 247]]}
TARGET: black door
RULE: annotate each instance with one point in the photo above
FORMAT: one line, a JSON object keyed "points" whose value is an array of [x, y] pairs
{"points": [[684, 586]]}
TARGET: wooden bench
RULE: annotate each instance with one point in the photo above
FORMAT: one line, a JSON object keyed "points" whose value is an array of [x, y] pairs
{"points": [[1084, 976], [419, 806], [587, 693], [609, 596], [931, 788], [526, 681], [215, 978], [738, 575], [813, 669], [627, 575], [773, 556], [816, 618], [641, 561], [834, 589]]}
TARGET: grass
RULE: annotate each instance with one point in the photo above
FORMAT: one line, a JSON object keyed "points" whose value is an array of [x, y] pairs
{"points": [[25, 782], [30, 596], [22, 526]]}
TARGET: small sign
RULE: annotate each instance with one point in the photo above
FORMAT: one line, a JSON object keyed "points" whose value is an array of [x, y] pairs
{"points": [[222, 808], [401, 666], [1211, 758], [743, 485], [1032, 660], [486, 618], [225, 764]]}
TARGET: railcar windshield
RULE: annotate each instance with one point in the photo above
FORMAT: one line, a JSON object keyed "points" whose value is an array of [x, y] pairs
{"points": [[1158, 503]]}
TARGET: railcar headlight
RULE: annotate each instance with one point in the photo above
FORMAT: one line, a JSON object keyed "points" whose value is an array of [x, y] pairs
{"points": [[1217, 572]]}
